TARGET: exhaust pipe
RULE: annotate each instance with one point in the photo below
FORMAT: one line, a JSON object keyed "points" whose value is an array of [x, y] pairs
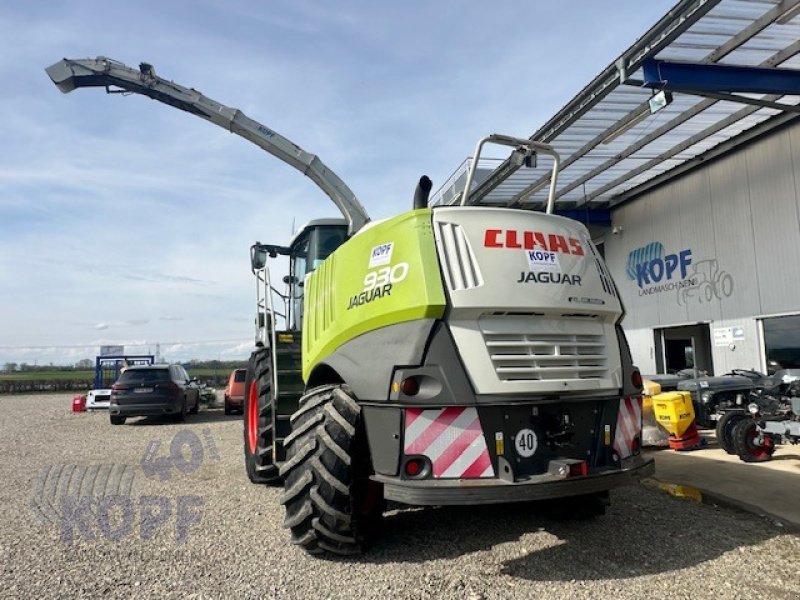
{"points": [[422, 193]]}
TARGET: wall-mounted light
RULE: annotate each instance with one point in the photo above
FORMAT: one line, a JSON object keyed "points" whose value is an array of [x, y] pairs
{"points": [[661, 100]]}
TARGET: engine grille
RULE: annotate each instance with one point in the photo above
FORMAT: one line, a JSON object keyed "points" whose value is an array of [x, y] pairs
{"points": [[540, 355], [459, 266]]}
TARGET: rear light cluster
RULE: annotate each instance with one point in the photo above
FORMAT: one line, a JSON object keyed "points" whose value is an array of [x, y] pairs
{"points": [[636, 379], [580, 469], [409, 386], [417, 467]]}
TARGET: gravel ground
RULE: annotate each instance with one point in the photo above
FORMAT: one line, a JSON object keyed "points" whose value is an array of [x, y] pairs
{"points": [[649, 545]]}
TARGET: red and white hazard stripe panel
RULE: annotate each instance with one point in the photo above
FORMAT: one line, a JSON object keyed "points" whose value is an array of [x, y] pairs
{"points": [[451, 438], [629, 425]]}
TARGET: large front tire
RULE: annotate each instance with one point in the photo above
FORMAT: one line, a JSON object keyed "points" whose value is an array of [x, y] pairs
{"points": [[258, 406], [331, 504]]}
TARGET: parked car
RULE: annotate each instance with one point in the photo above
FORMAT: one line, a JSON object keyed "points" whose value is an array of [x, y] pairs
{"points": [[148, 390], [234, 391]]}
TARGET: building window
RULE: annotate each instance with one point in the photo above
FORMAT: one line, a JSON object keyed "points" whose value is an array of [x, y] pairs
{"points": [[782, 343]]}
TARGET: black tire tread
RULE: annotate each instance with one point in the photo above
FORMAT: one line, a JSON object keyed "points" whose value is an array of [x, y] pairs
{"points": [[259, 464], [322, 453], [724, 430], [740, 435]]}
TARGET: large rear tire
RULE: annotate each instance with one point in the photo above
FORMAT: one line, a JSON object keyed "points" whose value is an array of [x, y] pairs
{"points": [[331, 504], [724, 428], [745, 440], [258, 405]]}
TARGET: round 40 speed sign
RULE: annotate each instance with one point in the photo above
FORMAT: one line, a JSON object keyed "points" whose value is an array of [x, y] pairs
{"points": [[525, 442]]}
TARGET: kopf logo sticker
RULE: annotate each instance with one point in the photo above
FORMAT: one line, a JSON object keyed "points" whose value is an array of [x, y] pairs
{"points": [[381, 255], [541, 260]]}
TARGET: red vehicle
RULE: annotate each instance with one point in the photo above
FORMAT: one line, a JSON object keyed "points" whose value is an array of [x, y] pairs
{"points": [[234, 391]]}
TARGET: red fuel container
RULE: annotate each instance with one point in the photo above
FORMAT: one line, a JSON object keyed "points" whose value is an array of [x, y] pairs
{"points": [[79, 404]]}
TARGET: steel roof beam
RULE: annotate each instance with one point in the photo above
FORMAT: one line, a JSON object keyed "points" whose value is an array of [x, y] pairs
{"points": [[686, 144], [663, 33], [744, 137], [693, 78], [732, 44], [777, 58], [685, 14]]}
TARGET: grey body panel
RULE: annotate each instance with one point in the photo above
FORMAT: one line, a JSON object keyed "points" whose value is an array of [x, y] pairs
{"points": [[530, 305], [498, 491], [443, 363], [384, 432], [787, 428], [366, 363]]}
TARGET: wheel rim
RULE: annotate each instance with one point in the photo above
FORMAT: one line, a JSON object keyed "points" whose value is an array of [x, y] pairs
{"points": [[753, 448], [252, 417]]}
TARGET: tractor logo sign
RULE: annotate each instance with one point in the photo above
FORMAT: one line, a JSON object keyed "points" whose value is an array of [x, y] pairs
{"points": [[655, 272]]}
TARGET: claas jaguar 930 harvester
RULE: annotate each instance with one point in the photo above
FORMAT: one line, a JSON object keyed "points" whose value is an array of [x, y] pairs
{"points": [[451, 355]]}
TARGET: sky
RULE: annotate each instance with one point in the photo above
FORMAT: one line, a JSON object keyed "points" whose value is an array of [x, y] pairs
{"points": [[127, 222]]}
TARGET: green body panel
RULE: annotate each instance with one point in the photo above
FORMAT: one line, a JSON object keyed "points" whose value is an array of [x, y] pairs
{"points": [[354, 291]]}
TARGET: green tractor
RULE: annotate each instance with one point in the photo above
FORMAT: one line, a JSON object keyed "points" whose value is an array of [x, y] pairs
{"points": [[451, 355]]}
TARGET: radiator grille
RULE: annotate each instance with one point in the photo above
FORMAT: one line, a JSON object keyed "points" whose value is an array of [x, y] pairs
{"points": [[546, 356], [459, 266]]}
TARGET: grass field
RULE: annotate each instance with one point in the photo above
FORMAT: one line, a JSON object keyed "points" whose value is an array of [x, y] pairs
{"points": [[88, 375], [48, 376]]}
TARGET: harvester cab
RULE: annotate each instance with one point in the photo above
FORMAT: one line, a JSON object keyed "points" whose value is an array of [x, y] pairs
{"points": [[466, 353]]}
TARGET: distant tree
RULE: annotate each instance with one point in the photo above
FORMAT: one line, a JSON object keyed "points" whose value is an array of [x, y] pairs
{"points": [[11, 367], [84, 363], [24, 367]]}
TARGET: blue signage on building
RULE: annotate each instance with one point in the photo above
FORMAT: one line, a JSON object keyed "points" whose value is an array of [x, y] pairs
{"points": [[649, 265]]}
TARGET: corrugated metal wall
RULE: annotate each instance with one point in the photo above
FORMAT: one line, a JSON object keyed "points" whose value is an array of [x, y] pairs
{"points": [[740, 218]]}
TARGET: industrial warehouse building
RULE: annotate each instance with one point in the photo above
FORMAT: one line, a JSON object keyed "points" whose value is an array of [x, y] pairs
{"points": [[736, 222], [689, 181]]}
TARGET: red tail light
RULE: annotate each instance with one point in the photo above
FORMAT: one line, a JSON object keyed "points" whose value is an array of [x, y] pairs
{"points": [[413, 467], [580, 469], [417, 467], [636, 379], [118, 387], [410, 386]]}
